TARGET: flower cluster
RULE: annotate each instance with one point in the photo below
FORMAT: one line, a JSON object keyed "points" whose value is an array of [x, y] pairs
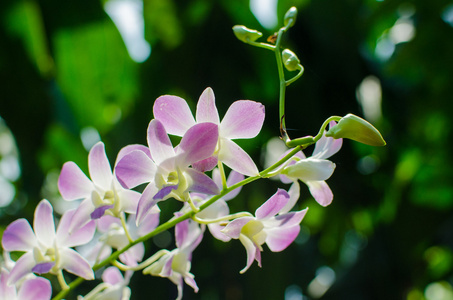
{"points": [[112, 216]]}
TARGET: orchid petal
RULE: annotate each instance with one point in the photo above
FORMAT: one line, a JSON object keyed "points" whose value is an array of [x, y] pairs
{"points": [[181, 232], [73, 183], [129, 148], [320, 192], [243, 120], [99, 166], [133, 255], [311, 169], [286, 220], [129, 201], [134, 169], [74, 263], [159, 143], [77, 237], [233, 178], [251, 250], [112, 276], [174, 113], [198, 143], [22, 267], [81, 215], [18, 236], [236, 158], [201, 183], [325, 147], [205, 165], [43, 223], [279, 238], [273, 205], [146, 203], [233, 229], [294, 193], [6, 291], [35, 289], [206, 109], [149, 223]]}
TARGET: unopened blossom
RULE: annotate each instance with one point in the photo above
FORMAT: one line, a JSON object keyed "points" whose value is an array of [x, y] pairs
{"points": [[243, 120], [47, 250], [33, 288], [314, 170], [103, 194], [175, 265], [271, 226], [114, 286], [167, 170]]}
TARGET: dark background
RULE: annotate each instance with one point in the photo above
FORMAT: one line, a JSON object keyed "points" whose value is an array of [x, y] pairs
{"points": [[388, 233]]}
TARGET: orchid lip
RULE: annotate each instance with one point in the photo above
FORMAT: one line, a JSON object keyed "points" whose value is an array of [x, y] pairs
{"points": [[42, 268], [99, 212]]}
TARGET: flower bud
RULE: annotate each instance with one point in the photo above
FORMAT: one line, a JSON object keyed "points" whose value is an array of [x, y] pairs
{"points": [[290, 60], [290, 17], [245, 34], [357, 129]]}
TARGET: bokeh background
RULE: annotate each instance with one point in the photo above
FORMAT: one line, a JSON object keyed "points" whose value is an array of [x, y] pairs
{"points": [[75, 72]]}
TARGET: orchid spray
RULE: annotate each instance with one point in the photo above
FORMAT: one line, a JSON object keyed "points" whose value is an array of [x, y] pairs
{"points": [[104, 237]]}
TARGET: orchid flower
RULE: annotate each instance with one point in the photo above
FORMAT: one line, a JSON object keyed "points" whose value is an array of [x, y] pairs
{"points": [[114, 286], [314, 170], [167, 169], [102, 194], [278, 230], [35, 288], [47, 250], [243, 120], [175, 265]]}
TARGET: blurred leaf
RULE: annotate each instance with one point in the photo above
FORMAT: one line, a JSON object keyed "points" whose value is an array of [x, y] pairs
{"points": [[162, 23], [439, 260]]}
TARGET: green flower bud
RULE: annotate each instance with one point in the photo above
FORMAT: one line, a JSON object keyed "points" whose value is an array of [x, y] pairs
{"points": [[357, 129], [290, 60], [290, 17], [245, 34]]}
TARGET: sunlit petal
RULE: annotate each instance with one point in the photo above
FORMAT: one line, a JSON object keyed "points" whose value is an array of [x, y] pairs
{"points": [[320, 191], [198, 143], [236, 158], [35, 289], [206, 109], [99, 166], [279, 238], [73, 183], [18, 236], [174, 113], [74, 263], [22, 267], [43, 223], [243, 120], [273, 205], [311, 169], [159, 143], [134, 169], [201, 183]]}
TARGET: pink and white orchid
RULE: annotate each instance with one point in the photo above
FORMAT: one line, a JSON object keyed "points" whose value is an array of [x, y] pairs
{"points": [[47, 250], [270, 225], [102, 194], [34, 288], [114, 286], [243, 120], [168, 172], [314, 170], [176, 264]]}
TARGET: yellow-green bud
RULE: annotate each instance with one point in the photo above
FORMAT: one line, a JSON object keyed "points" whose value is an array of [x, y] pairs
{"points": [[290, 60], [290, 17], [357, 129], [245, 34]]}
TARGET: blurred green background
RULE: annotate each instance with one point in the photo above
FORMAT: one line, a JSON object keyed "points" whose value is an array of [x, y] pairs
{"points": [[74, 72]]}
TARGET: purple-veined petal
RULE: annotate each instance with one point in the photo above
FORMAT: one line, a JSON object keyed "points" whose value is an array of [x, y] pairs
{"points": [[35, 289], [325, 147], [294, 193], [273, 205], [174, 113], [112, 276], [202, 183], [129, 148], [99, 211], [206, 109], [311, 169], [74, 263], [19, 236], [78, 236], [198, 143], [43, 268], [134, 169], [99, 166], [22, 267], [280, 238], [158, 142], [320, 191], [206, 164], [236, 158], [164, 192], [146, 203], [243, 120], [251, 250], [233, 229], [43, 223], [73, 183]]}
